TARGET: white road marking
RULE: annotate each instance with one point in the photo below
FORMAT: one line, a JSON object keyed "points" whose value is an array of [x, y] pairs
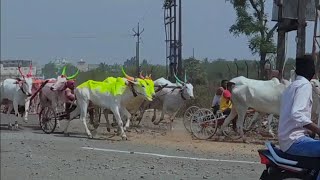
{"points": [[168, 156]]}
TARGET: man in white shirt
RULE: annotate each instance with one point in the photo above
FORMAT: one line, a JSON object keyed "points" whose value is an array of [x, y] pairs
{"points": [[295, 113]]}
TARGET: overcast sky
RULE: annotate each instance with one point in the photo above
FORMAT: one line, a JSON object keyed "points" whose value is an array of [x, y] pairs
{"points": [[101, 30]]}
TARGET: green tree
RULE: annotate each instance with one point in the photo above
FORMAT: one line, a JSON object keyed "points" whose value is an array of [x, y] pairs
{"points": [[50, 70], [252, 21], [195, 72]]}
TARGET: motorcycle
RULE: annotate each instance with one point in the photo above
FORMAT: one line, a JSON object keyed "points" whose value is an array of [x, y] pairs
{"points": [[280, 165]]}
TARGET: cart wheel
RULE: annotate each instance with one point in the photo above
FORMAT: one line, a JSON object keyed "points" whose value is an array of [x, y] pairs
{"points": [[187, 117], [203, 124], [48, 120]]}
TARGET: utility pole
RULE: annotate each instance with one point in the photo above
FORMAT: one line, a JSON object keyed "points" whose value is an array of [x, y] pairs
{"points": [[315, 41], [281, 45], [193, 53], [138, 33], [301, 32], [180, 42]]}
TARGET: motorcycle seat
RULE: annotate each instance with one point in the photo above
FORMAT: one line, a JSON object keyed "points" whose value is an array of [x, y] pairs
{"points": [[303, 162]]}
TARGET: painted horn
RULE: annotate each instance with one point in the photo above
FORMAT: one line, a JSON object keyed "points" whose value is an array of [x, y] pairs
{"points": [[19, 68], [179, 81], [141, 76], [128, 77], [73, 76], [30, 71], [185, 76], [64, 70]]}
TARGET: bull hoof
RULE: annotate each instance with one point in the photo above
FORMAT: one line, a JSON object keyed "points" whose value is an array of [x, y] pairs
{"points": [[94, 132], [118, 133], [245, 140], [156, 123], [108, 129], [124, 138], [10, 126], [90, 136], [66, 134], [58, 125], [153, 119]]}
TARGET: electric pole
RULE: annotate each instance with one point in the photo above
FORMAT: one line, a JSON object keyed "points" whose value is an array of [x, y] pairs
{"points": [[180, 42], [138, 33], [301, 33]]}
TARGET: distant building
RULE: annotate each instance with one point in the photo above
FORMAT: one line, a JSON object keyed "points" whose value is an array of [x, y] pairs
{"points": [[9, 68], [82, 65]]}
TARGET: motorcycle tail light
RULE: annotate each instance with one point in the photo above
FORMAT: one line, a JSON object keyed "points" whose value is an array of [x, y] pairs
{"points": [[264, 159]]}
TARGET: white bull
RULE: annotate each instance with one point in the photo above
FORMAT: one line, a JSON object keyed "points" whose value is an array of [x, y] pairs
{"points": [[129, 106], [263, 96], [169, 99], [55, 92], [17, 92], [96, 93]]}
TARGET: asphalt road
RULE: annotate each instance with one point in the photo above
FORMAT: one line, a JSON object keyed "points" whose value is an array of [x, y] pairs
{"points": [[30, 154]]}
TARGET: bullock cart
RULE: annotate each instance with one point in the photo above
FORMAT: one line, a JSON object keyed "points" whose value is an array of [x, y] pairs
{"points": [[48, 118], [204, 123]]}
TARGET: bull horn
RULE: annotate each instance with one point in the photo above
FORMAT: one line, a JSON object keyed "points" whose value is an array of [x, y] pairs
{"points": [[179, 81], [148, 76], [128, 77], [30, 71], [19, 68], [185, 76], [141, 76], [73, 76], [64, 70]]}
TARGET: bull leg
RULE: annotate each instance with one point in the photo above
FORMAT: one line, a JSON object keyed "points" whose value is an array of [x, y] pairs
{"points": [[254, 119], [26, 110], [270, 130], [55, 107], [72, 115], [10, 107], [161, 118], [232, 115], [117, 116], [171, 120], [106, 113], [16, 112], [83, 115], [241, 115], [141, 112], [154, 117], [140, 116], [128, 116]]}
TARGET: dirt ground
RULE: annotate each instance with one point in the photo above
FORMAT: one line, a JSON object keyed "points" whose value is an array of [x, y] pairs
{"points": [[179, 138]]}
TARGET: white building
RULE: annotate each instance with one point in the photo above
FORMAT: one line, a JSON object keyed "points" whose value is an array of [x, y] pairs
{"points": [[9, 68], [82, 65]]}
